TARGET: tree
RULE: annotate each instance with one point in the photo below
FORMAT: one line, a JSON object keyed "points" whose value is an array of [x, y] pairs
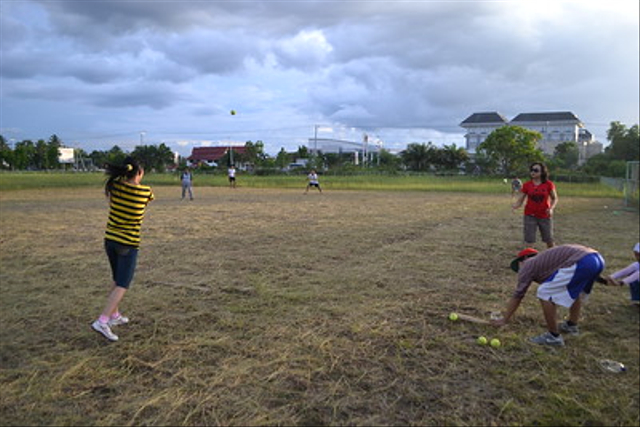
{"points": [[282, 159], [511, 148], [388, 160], [40, 155], [566, 155], [451, 157], [153, 157], [116, 155], [419, 157], [6, 154], [52, 156], [23, 154], [625, 143], [624, 147], [602, 165], [164, 157], [303, 152], [254, 153]]}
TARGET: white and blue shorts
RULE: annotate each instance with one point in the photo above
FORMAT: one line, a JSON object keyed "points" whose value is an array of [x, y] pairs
{"points": [[565, 285]]}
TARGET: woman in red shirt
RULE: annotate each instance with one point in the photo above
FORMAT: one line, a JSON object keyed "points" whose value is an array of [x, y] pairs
{"points": [[542, 199]]}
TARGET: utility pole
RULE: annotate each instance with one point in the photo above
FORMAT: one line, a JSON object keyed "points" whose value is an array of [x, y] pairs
{"points": [[315, 140]]}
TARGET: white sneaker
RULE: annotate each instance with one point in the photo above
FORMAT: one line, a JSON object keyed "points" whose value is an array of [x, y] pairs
{"points": [[548, 339], [105, 330], [570, 329], [120, 320]]}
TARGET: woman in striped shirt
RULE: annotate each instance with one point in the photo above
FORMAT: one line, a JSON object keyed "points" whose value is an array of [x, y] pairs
{"points": [[128, 200]]}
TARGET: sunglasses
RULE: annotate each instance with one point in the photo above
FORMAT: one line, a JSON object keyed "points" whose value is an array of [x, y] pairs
{"points": [[535, 170]]}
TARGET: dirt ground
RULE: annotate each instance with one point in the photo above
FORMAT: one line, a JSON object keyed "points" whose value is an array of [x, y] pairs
{"points": [[271, 307]]}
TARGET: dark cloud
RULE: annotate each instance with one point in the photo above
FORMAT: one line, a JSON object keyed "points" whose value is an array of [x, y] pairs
{"points": [[359, 63]]}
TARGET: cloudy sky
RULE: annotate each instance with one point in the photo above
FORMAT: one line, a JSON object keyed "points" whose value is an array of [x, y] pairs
{"points": [[99, 73]]}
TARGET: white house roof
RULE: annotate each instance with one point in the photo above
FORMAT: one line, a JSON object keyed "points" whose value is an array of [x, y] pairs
{"points": [[485, 118], [562, 116]]}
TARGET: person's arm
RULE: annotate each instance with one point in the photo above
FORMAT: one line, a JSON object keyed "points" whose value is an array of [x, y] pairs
{"points": [[512, 306], [519, 201], [553, 195], [627, 275]]}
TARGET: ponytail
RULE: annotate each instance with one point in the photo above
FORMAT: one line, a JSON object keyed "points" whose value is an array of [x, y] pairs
{"points": [[127, 170]]}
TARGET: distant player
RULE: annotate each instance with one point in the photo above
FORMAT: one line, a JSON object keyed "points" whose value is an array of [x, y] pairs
{"points": [[187, 179], [516, 186], [313, 181], [128, 200], [231, 173]]}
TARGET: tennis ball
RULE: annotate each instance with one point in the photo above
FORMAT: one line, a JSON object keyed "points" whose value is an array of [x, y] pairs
{"points": [[453, 317], [233, 112], [495, 343], [482, 340]]}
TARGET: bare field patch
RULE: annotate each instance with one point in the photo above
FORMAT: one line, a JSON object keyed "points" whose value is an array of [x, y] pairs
{"points": [[270, 307]]}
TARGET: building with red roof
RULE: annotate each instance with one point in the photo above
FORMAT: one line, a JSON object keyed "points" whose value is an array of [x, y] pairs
{"points": [[211, 155]]}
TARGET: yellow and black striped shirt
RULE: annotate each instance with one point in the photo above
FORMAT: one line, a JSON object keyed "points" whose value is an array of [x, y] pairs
{"points": [[126, 211]]}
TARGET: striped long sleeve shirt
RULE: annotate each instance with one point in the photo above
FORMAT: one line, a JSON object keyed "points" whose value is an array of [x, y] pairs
{"points": [[540, 267], [127, 206]]}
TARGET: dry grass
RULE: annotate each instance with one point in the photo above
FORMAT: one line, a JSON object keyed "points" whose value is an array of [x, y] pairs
{"points": [[268, 307]]}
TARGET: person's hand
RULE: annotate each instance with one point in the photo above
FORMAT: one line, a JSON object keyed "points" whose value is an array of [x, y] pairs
{"points": [[550, 212], [498, 321], [612, 282]]}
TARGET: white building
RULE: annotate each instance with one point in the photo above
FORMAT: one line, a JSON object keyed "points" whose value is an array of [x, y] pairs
{"points": [[479, 126], [330, 145], [555, 127]]}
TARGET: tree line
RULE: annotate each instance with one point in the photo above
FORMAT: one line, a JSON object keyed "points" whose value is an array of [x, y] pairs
{"points": [[507, 151], [510, 149]]}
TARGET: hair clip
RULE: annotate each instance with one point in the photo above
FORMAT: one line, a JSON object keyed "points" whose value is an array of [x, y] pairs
{"points": [[129, 167]]}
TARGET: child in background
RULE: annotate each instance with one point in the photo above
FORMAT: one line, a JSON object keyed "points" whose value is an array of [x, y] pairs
{"points": [[313, 181], [128, 200], [187, 179], [516, 186], [231, 173], [629, 276]]}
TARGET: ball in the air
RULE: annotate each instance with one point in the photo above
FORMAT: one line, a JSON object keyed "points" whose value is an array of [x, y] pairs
{"points": [[453, 317], [495, 343], [482, 340], [233, 112]]}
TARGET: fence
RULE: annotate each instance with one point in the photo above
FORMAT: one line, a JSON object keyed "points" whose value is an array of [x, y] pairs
{"points": [[631, 185]]}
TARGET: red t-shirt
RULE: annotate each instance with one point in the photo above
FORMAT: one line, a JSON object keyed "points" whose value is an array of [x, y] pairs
{"points": [[538, 198]]}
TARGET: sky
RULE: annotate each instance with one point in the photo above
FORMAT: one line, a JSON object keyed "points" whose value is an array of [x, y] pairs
{"points": [[123, 72]]}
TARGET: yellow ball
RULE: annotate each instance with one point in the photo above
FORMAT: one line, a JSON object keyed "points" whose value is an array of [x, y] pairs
{"points": [[233, 112], [453, 316], [482, 340], [495, 343]]}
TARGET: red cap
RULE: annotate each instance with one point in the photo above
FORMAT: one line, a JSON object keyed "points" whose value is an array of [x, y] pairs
{"points": [[525, 253]]}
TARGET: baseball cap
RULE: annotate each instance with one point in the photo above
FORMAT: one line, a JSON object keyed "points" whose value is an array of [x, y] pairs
{"points": [[523, 254], [636, 248]]}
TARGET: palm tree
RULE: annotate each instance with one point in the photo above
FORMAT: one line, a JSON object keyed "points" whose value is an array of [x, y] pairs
{"points": [[419, 157]]}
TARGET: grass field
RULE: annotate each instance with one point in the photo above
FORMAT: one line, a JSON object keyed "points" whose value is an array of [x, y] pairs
{"points": [[264, 306], [375, 182]]}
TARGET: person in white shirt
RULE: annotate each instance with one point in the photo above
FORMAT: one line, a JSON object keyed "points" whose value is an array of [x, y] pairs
{"points": [[232, 176], [313, 181]]}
